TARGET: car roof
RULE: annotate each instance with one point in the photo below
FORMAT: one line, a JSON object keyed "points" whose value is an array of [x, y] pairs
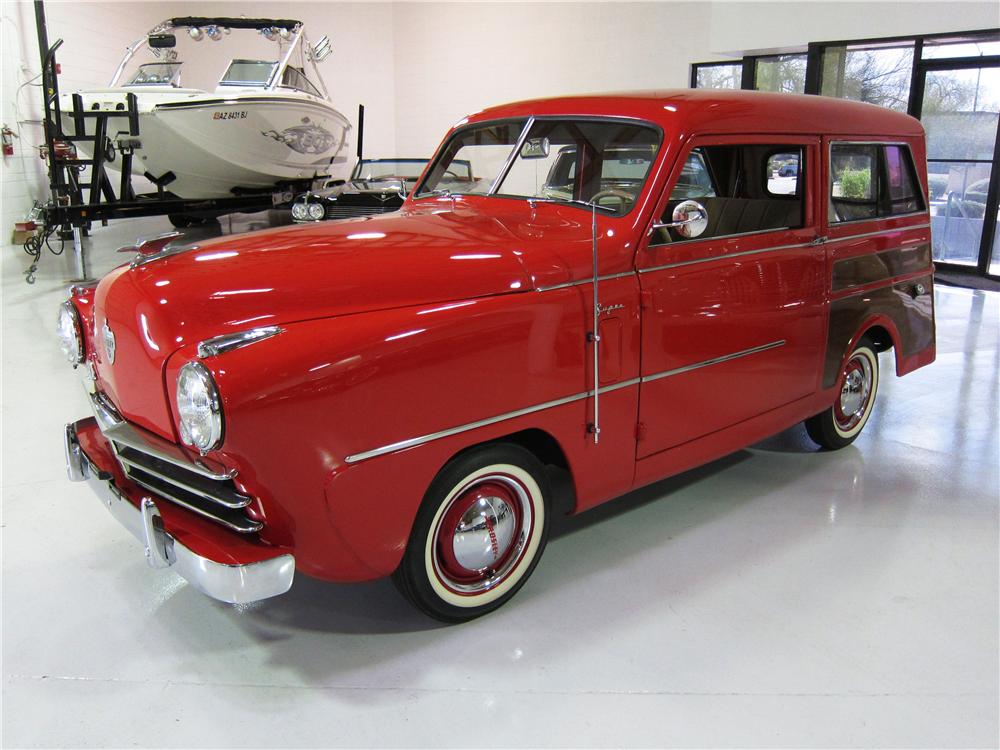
{"points": [[717, 111]]}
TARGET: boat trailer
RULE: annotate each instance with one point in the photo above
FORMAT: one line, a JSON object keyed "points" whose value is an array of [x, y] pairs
{"points": [[79, 198]]}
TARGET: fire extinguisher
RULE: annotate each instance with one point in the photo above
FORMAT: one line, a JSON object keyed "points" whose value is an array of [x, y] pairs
{"points": [[8, 137]]}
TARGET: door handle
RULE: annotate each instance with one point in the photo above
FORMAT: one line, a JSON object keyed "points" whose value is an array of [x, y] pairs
{"points": [[819, 241]]}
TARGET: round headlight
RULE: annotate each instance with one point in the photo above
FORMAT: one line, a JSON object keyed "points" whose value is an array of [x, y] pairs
{"points": [[299, 211], [199, 407], [316, 211], [70, 333]]}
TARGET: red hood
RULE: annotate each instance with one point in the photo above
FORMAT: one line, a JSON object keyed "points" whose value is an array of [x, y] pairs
{"points": [[433, 253]]}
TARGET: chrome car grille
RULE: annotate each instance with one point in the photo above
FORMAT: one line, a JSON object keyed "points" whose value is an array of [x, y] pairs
{"points": [[350, 212], [210, 498], [165, 470]]}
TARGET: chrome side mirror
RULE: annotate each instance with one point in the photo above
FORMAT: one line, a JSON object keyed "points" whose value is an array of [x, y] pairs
{"points": [[690, 219]]}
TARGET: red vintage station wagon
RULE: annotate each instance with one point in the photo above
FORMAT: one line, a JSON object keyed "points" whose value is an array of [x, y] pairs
{"points": [[627, 286]]}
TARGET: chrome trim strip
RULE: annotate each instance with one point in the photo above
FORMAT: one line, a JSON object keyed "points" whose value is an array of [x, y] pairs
{"points": [[227, 342], [782, 247], [412, 442], [880, 231], [695, 261], [618, 386], [713, 361], [243, 502], [833, 225], [581, 282], [118, 430], [235, 584], [677, 243], [249, 528]]}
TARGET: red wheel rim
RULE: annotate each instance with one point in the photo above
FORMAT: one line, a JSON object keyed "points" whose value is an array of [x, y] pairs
{"points": [[482, 534], [855, 392]]}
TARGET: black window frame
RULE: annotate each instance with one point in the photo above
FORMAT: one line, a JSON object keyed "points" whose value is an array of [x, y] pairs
{"points": [[695, 67]]}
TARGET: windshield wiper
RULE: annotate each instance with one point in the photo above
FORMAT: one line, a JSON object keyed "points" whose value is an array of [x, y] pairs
{"points": [[574, 202]]}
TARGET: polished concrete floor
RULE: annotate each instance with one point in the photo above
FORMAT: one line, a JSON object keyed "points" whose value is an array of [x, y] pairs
{"points": [[779, 597]]}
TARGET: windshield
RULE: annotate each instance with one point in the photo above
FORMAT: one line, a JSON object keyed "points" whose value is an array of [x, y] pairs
{"points": [[559, 160], [248, 73], [296, 78], [157, 74], [486, 148], [389, 169]]}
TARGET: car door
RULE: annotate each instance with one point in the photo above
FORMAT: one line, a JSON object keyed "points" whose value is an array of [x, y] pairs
{"points": [[733, 319]]}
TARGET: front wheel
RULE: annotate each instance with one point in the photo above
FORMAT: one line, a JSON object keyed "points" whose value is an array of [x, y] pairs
{"points": [[839, 425], [478, 534]]}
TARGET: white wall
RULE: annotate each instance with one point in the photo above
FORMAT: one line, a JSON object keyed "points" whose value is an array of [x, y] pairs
{"points": [[455, 58]]}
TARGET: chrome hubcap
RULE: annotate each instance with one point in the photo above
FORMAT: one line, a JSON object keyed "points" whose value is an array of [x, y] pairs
{"points": [[484, 533], [855, 392]]}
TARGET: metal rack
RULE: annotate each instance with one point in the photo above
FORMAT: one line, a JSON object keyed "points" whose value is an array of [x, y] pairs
{"points": [[79, 197]]}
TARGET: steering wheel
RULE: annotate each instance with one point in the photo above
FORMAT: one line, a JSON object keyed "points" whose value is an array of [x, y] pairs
{"points": [[448, 171], [622, 195]]}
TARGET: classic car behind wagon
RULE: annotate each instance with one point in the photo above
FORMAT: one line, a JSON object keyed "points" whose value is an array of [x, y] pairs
{"points": [[376, 186], [390, 402]]}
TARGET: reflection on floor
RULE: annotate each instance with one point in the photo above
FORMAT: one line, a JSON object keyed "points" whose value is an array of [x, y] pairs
{"points": [[778, 597]]}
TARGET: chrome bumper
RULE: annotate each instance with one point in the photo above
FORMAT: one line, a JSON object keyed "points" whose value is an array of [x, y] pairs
{"points": [[235, 584]]}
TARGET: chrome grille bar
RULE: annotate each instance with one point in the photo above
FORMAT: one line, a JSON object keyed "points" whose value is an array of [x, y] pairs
{"points": [[117, 429], [217, 492], [233, 519], [162, 467], [349, 212]]}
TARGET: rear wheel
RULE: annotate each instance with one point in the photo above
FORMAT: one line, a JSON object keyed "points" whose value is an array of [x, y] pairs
{"points": [[839, 425], [478, 535]]}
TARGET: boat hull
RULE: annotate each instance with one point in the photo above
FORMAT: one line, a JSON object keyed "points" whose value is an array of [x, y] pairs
{"points": [[216, 146]]}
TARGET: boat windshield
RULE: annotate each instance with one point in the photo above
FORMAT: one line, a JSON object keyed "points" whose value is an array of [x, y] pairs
{"points": [[558, 159], [157, 74], [248, 73], [296, 78]]}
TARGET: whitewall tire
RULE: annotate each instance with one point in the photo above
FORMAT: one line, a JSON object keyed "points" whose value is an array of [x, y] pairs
{"points": [[840, 424], [478, 535]]}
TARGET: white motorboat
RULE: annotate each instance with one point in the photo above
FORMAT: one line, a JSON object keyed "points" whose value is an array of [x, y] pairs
{"points": [[265, 122]]}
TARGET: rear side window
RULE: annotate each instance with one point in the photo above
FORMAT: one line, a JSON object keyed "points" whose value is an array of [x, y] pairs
{"points": [[868, 181], [853, 182]]}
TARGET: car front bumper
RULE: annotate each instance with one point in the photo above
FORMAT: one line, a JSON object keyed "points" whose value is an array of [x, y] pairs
{"points": [[207, 556]]}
